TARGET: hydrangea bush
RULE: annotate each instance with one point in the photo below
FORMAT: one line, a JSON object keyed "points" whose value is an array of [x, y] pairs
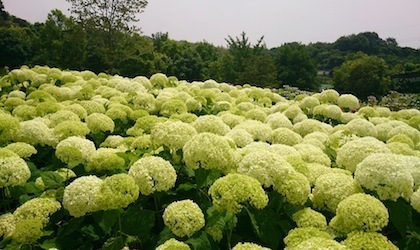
{"points": [[94, 161]]}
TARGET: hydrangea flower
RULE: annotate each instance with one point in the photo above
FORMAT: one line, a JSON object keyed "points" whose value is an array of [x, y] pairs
{"points": [[24, 112], [145, 124], [62, 116], [312, 154], [37, 208], [367, 112], [387, 175], [415, 200], [362, 128], [316, 170], [75, 150], [402, 149], [292, 111], [354, 151], [98, 122], [348, 101], [212, 124], [153, 174], [316, 243], [13, 171], [360, 212], [81, 196], [118, 191], [240, 136], [231, 191], [209, 151], [77, 109], [173, 106], [7, 225], [27, 231], [172, 134], [308, 126], [231, 119], [259, 131], [67, 129], [308, 103], [407, 130], [35, 132], [159, 80], [300, 234], [331, 188], [368, 241], [183, 218], [248, 246], [172, 244], [329, 96], [92, 107], [285, 136], [256, 114], [294, 186], [105, 159], [264, 166], [308, 217], [22, 149], [278, 120]]}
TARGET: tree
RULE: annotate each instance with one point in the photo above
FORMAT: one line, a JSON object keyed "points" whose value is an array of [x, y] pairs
{"points": [[362, 76], [295, 66], [108, 25], [15, 46]]}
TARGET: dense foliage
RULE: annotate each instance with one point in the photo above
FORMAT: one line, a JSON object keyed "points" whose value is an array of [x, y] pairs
{"points": [[99, 161]]}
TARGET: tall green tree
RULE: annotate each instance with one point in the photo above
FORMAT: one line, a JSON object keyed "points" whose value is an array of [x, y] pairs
{"points": [[108, 25], [15, 46], [362, 76]]}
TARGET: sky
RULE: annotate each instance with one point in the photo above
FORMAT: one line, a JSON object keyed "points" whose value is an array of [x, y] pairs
{"points": [[279, 21]]}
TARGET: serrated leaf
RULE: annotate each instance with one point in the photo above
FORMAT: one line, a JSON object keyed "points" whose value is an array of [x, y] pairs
{"points": [[106, 220], [253, 222], [138, 222], [399, 215], [113, 243], [52, 180], [201, 241]]}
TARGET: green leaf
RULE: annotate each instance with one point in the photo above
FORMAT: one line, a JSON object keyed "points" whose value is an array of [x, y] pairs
{"points": [[138, 222], [71, 226], [200, 241], [253, 222], [113, 243], [107, 219], [48, 244], [273, 227], [399, 215], [206, 177], [52, 180]]}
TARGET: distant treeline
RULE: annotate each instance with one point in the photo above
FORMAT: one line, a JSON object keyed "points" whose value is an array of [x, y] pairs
{"points": [[62, 42]]}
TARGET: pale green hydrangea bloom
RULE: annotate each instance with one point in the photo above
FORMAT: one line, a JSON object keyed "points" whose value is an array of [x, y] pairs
{"points": [[75, 150], [316, 170], [68, 129], [37, 208], [114, 141], [93, 107], [212, 124], [278, 120], [142, 142], [285, 136], [231, 119], [401, 148], [348, 101], [308, 103], [354, 151], [173, 244], [39, 96], [360, 212], [24, 112], [229, 192], [27, 231], [13, 171], [387, 175], [159, 81], [153, 174], [248, 246], [415, 200], [77, 109], [308, 126], [98, 122], [414, 122], [62, 116], [403, 139], [294, 186], [46, 108], [259, 131], [347, 117], [362, 128], [22, 149], [105, 159], [36, 132], [193, 105], [82, 195], [316, 243], [118, 191], [264, 166], [368, 112], [383, 111], [292, 111], [145, 124], [256, 114], [328, 111], [240, 136], [8, 127], [312, 154], [331, 188], [328, 96], [407, 130], [301, 234], [4, 152], [183, 218], [368, 241], [7, 225], [173, 106], [210, 151], [308, 217], [172, 134]]}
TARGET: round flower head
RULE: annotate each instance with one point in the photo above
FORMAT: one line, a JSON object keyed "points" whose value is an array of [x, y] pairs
{"points": [[361, 128], [183, 218], [316, 243], [256, 114], [308, 217], [387, 175], [145, 101], [7, 225], [294, 186], [259, 131], [13, 171], [76, 108], [401, 149], [310, 125], [22, 149], [153, 174], [312, 154], [248, 246], [82, 196], [209, 151], [308, 103], [278, 120], [172, 134], [35, 132], [212, 124], [360, 212], [402, 138], [368, 241], [27, 231], [159, 81], [230, 191], [353, 152], [70, 128], [329, 96], [264, 166], [98, 122], [241, 137], [37, 208], [105, 159], [316, 170], [230, 119], [173, 106], [24, 112], [367, 112], [145, 124], [173, 244], [75, 150], [415, 200], [184, 117], [411, 132], [285, 136], [118, 191], [292, 111], [331, 188], [61, 116], [92, 107], [300, 234], [348, 101]]}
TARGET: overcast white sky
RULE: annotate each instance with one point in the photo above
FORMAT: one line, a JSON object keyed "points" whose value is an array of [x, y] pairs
{"points": [[280, 21]]}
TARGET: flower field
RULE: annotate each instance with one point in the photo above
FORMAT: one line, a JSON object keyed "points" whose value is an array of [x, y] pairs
{"points": [[94, 161]]}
